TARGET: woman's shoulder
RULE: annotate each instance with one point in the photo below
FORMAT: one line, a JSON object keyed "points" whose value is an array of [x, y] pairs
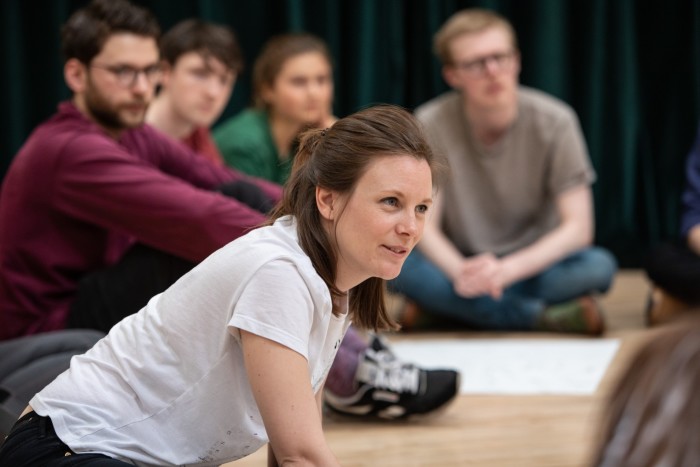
{"points": [[265, 244], [248, 121]]}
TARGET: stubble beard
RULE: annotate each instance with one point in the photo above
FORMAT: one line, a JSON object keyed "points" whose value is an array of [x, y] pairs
{"points": [[106, 114]]}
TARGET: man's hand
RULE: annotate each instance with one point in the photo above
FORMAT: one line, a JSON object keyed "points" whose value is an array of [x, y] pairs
{"points": [[482, 274]]}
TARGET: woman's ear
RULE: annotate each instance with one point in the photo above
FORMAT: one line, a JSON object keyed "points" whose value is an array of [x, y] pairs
{"points": [[267, 95], [75, 74], [325, 201]]}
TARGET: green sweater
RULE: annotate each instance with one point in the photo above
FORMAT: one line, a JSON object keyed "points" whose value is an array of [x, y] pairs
{"points": [[245, 141]]}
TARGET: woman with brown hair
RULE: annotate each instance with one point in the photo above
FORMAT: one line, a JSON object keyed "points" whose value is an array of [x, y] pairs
{"points": [[293, 90], [236, 352], [653, 414]]}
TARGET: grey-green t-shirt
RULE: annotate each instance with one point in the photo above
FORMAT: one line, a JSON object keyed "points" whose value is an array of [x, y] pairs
{"points": [[502, 198]]}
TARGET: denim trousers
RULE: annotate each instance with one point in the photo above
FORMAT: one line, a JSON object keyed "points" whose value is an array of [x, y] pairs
{"points": [[585, 272], [33, 443]]}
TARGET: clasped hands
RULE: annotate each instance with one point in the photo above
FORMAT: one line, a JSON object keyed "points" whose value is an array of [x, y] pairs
{"points": [[483, 274]]}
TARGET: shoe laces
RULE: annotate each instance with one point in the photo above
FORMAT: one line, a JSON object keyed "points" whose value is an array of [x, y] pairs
{"points": [[385, 357], [382, 370], [381, 349]]}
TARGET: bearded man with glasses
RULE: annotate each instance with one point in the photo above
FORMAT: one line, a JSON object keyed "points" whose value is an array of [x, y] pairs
{"points": [[100, 211], [509, 244]]}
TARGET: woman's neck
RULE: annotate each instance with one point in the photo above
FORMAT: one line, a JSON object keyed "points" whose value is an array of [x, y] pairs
{"points": [[283, 133]]}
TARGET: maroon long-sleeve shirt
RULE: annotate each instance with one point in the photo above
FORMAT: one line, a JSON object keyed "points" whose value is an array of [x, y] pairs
{"points": [[74, 200]]}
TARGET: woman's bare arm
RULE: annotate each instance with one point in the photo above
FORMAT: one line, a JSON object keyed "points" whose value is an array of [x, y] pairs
{"points": [[281, 386]]}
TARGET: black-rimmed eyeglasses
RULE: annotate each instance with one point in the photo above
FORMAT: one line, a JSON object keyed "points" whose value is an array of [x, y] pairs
{"points": [[127, 75], [478, 66]]}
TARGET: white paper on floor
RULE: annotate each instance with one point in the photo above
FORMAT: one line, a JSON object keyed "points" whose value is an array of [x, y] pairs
{"points": [[516, 366]]}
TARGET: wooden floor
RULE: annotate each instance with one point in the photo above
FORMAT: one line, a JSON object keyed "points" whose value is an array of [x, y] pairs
{"points": [[497, 431]]}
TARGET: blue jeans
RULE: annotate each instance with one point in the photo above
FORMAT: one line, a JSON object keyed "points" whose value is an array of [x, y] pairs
{"points": [[588, 271]]}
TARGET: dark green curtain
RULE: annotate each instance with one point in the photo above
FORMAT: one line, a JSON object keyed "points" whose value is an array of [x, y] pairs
{"points": [[629, 68]]}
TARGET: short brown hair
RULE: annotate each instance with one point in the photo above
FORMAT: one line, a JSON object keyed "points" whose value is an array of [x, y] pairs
{"points": [[87, 30], [468, 21], [276, 52], [208, 39], [335, 159]]}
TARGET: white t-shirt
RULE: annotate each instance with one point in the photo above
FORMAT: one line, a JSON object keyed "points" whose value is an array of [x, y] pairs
{"points": [[168, 385]]}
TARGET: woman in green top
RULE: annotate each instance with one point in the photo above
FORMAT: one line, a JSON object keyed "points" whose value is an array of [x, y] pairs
{"points": [[292, 90]]}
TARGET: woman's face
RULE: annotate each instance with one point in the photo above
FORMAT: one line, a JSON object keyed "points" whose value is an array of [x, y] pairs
{"points": [[377, 226], [302, 92]]}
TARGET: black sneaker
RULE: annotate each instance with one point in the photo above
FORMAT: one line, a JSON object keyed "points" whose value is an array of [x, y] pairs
{"points": [[380, 347], [389, 389]]}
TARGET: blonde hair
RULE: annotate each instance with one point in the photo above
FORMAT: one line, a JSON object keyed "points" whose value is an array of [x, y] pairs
{"points": [[468, 21]]}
